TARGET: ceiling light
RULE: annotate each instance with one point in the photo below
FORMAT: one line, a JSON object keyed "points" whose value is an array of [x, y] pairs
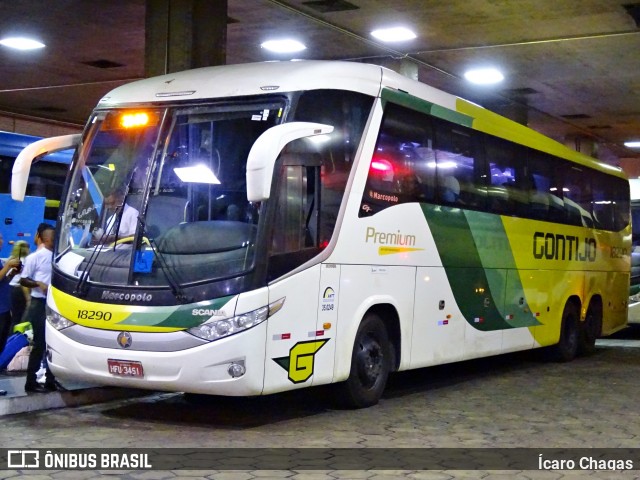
{"points": [[484, 76], [395, 34], [634, 144], [21, 43], [283, 46]]}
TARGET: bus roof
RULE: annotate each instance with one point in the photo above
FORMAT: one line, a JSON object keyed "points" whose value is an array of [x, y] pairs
{"points": [[288, 76], [249, 79]]}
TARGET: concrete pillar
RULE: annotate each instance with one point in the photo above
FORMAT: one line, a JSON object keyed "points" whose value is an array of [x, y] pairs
{"points": [[184, 34], [582, 144], [401, 65]]}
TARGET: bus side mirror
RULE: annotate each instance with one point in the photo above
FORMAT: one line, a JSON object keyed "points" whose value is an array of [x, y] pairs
{"points": [[265, 151], [22, 164]]}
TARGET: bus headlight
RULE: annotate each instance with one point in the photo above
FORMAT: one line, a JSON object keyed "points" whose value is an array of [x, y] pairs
{"points": [[217, 329], [56, 320]]}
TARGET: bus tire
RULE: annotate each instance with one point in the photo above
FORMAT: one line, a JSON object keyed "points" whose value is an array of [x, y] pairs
{"points": [[591, 329], [567, 348], [370, 365]]}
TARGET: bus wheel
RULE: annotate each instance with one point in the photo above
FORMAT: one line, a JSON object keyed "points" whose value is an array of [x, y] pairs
{"points": [[591, 329], [567, 348], [370, 364]]}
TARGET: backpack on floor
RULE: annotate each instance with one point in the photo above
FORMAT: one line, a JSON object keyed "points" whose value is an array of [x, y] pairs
{"points": [[15, 343], [20, 361]]}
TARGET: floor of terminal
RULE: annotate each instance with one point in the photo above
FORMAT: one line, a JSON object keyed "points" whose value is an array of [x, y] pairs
{"points": [[16, 400]]}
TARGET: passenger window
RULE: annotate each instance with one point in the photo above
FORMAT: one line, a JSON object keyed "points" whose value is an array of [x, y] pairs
{"points": [[604, 202], [576, 193], [622, 205], [421, 158], [403, 165], [502, 176], [545, 198], [347, 112], [458, 172]]}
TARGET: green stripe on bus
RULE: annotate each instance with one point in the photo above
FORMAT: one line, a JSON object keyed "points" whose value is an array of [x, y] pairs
{"points": [[496, 256], [476, 256], [182, 317]]}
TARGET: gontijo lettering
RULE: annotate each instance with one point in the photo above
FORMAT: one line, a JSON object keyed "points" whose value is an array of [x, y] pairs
{"points": [[563, 247]]}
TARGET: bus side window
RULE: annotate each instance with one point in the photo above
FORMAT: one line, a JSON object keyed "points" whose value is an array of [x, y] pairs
{"points": [[294, 234], [603, 202], [576, 194], [622, 204], [511, 180], [504, 176], [458, 168], [402, 167], [545, 200], [347, 112], [293, 195]]}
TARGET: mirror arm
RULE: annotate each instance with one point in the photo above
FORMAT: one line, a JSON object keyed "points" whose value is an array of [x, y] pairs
{"points": [[22, 164], [267, 148]]}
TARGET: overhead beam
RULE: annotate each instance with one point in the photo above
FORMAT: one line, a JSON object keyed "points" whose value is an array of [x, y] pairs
{"points": [[184, 34]]}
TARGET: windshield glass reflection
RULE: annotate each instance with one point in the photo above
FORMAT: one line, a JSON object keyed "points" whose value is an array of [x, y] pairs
{"points": [[170, 209]]}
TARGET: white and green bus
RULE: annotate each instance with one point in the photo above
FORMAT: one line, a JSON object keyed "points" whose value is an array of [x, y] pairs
{"points": [[307, 223]]}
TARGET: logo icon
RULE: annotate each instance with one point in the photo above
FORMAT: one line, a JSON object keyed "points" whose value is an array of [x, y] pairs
{"points": [[23, 459], [300, 362], [124, 339], [328, 295]]}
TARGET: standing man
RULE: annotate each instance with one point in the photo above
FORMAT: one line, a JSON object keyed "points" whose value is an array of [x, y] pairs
{"points": [[7, 271], [36, 275]]}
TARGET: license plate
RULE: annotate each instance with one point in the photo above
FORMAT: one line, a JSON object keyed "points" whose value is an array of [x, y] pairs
{"points": [[125, 368]]}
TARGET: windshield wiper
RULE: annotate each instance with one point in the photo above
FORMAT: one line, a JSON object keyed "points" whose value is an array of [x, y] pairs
{"points": [[80, 288], [61, 254], [176, 287]]}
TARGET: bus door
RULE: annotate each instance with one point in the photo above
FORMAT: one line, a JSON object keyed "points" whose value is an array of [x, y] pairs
{"points": [[294, 343]]}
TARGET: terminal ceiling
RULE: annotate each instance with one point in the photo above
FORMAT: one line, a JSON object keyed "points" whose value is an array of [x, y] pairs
{"points": [[571, 67]]}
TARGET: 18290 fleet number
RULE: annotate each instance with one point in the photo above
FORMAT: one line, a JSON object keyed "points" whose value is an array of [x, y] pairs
{"points": [[94, 315]]}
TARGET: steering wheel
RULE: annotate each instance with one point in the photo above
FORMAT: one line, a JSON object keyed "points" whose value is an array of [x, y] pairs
{"points": [[129, 239]]}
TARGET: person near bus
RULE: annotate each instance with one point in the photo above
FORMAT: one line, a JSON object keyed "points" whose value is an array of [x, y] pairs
{"points": [[7, 271], [36, 275], [19, 295], [126, 220]]}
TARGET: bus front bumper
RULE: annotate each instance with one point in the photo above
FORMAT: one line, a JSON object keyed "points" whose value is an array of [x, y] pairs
{"points": [[213, 368]]}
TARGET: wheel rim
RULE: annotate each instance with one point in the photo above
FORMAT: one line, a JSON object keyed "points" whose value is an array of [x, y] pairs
{"points": [[370, 361]]}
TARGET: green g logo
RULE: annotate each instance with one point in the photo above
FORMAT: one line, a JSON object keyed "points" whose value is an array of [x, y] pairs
{"points": [[299, 363]]}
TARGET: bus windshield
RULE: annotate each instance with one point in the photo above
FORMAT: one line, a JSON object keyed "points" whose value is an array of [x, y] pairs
{"points": [[167, 188]]}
